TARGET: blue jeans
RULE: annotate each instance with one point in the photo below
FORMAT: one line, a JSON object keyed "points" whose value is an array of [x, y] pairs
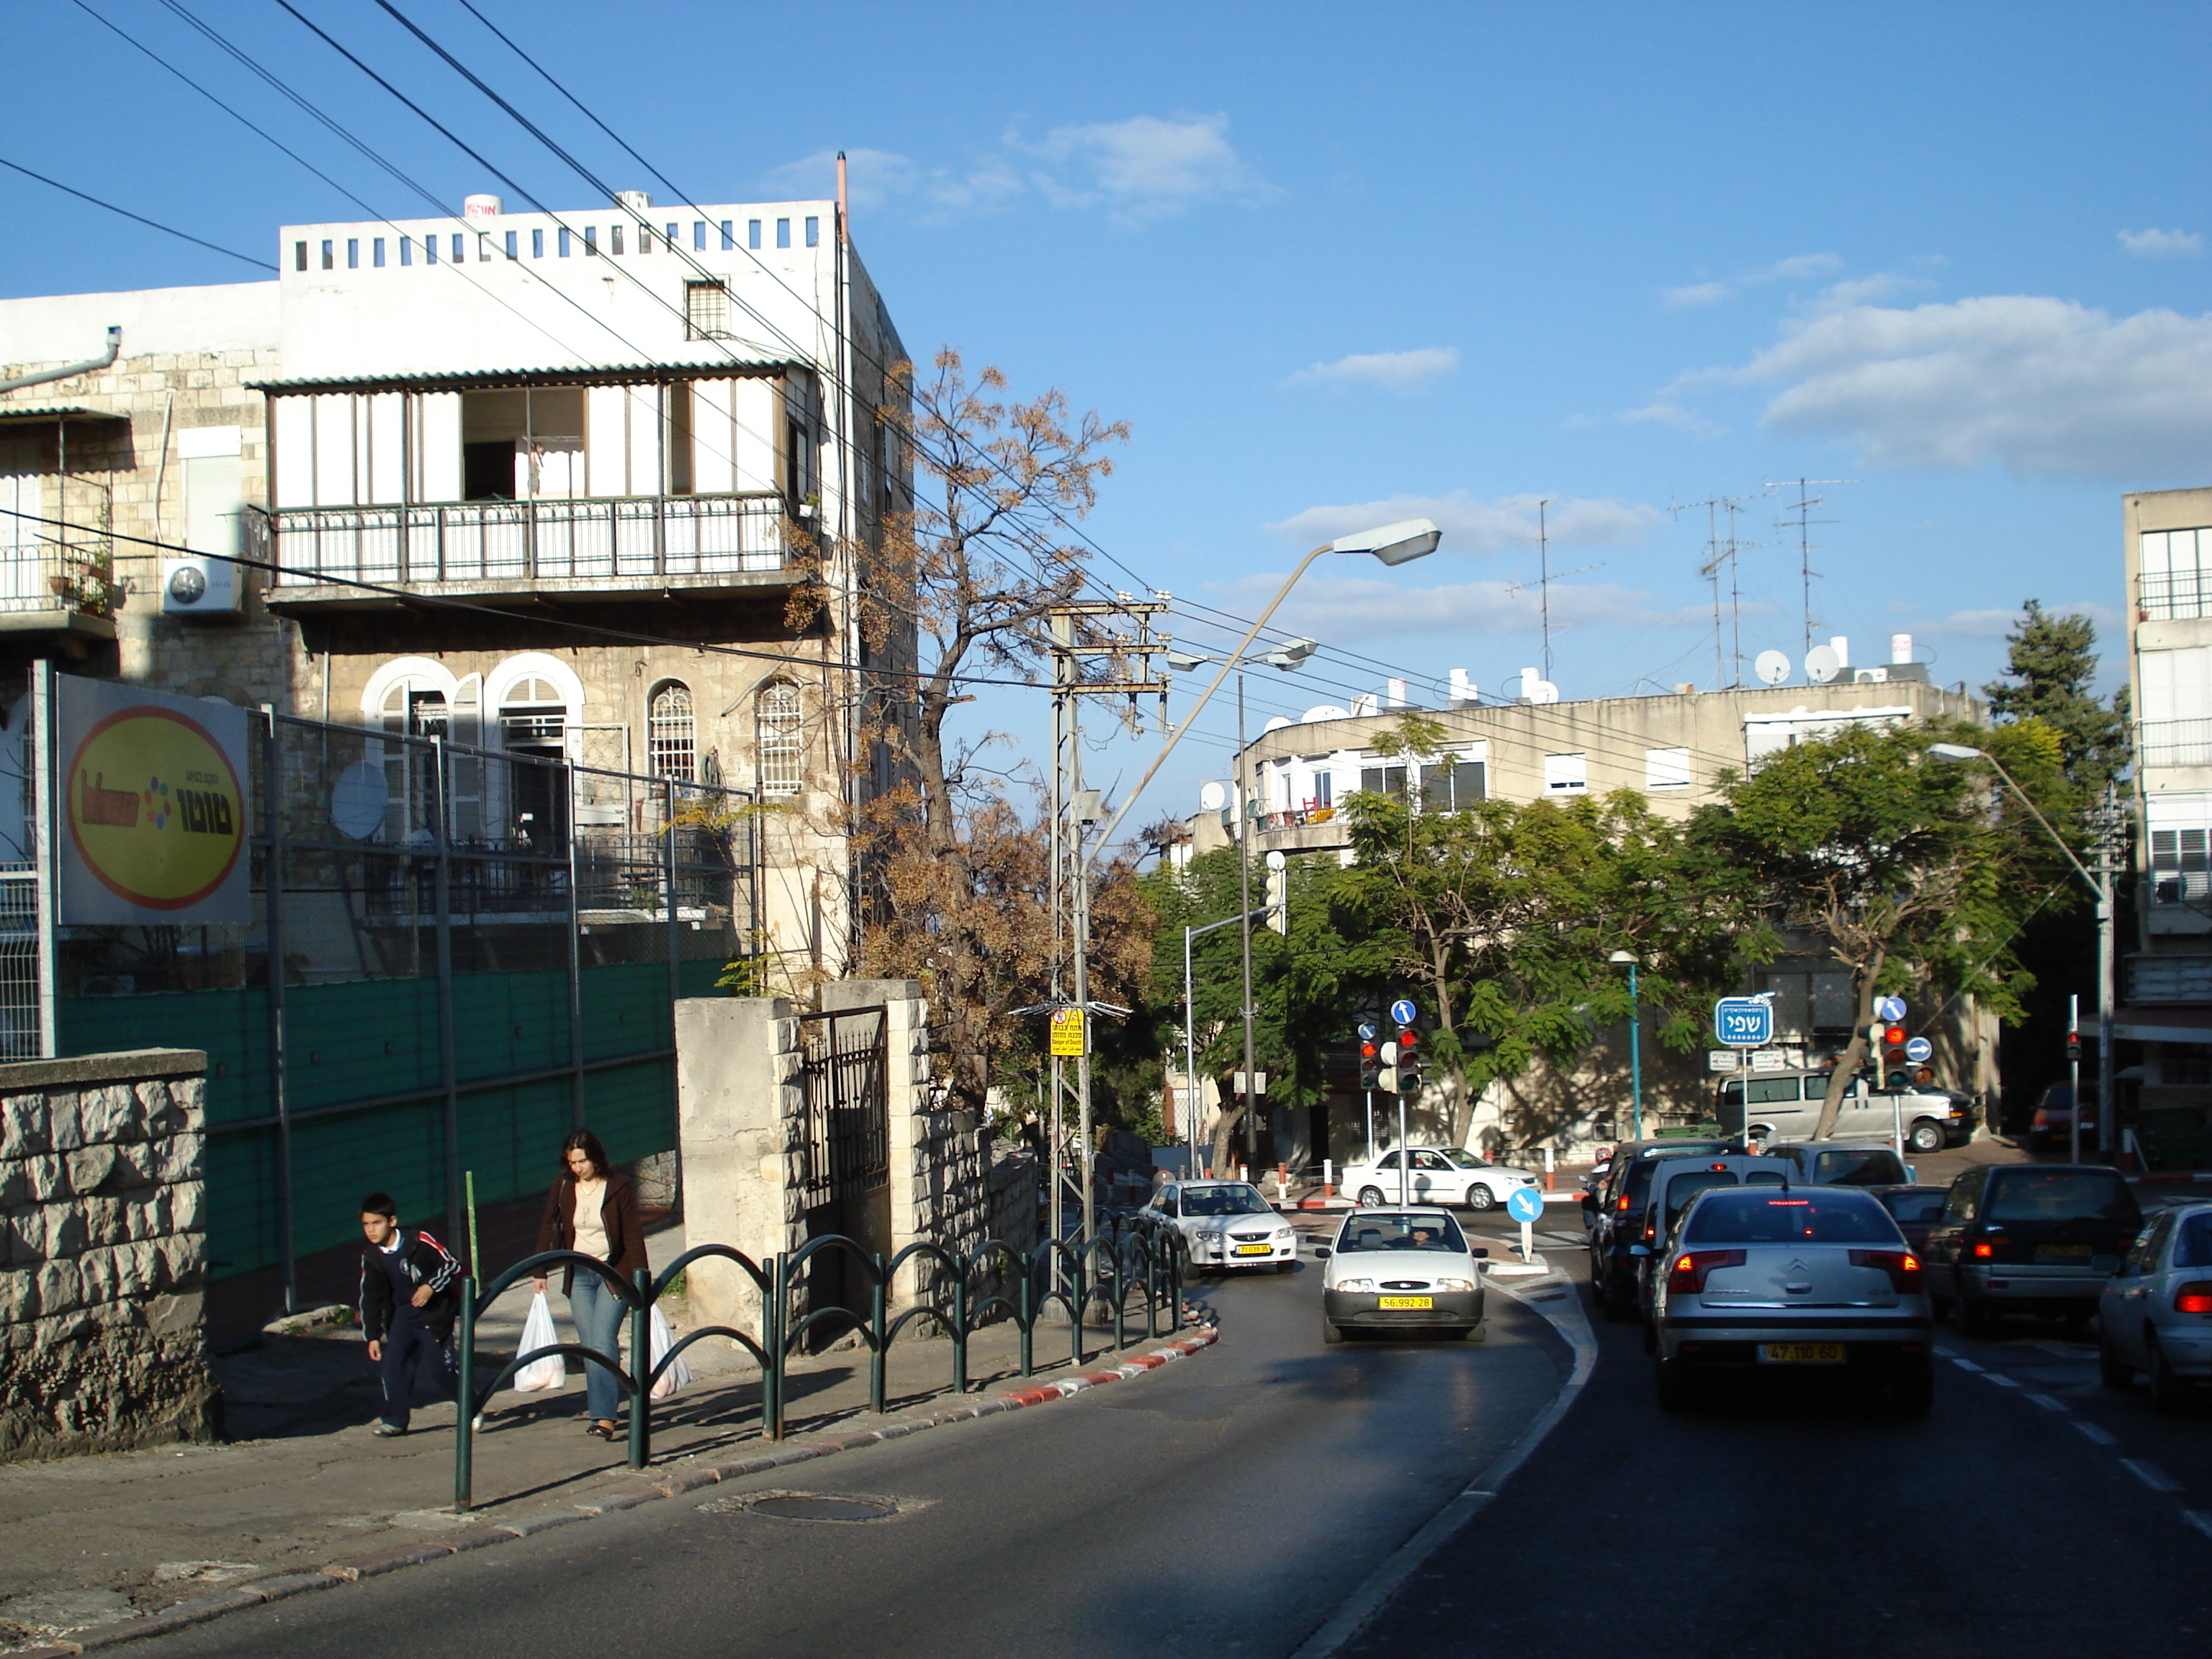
{"points": [[597, 1313]]}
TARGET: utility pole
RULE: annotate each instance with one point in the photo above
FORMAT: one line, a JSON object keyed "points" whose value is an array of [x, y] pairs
{"points": [[2108, 1113], [1244, 928]]}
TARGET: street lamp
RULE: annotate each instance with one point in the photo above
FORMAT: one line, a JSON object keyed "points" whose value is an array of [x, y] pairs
{"points": [[2100, 888], [1635, 1043], [1189, 1037]]}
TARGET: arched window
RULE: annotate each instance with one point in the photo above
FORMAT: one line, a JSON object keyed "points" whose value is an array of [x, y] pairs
{"points": [[781, 748], [672, 736]]}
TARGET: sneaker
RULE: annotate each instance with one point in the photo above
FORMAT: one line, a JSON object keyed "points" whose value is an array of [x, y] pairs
{"points": [[387, 1430], [476, 1425]]}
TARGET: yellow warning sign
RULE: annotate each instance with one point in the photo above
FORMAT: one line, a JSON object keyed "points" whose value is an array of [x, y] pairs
{"points": [[1067, 1031]]}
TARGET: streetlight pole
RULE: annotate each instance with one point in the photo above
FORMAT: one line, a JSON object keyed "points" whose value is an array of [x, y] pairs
{"points": [[1635, 1044], [2100, 888], [1190, 1022], [1251, 1090]]}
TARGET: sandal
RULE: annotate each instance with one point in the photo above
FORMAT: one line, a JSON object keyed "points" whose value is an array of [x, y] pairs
{"points": [[604, 1429]]}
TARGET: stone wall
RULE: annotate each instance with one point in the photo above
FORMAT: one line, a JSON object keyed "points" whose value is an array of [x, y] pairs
{"points": [[739, 1118], [103, 1253]]}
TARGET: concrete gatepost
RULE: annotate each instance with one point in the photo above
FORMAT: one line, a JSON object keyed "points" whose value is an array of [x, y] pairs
{"points": [[740, 1105], [907, 1101]]}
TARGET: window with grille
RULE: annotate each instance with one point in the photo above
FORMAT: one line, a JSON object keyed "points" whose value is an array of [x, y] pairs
{"points": [[671, 734], [781, 744], [706, 310], [2180, 864]]}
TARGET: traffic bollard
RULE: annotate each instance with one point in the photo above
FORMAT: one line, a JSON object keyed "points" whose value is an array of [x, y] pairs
{"points": [[1328, 1178]]}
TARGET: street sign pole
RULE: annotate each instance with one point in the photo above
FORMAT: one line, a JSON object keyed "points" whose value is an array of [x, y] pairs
{"points": [[1524, 1205], [1405, 1157], [1371, 1128]]}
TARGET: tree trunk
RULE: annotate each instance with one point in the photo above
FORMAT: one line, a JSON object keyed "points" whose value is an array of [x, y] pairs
{"points": [[1226, 1124], [1854, 1054]]}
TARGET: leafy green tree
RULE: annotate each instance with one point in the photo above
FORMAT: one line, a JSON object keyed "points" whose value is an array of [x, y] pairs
{"points": [[2049, 666]]}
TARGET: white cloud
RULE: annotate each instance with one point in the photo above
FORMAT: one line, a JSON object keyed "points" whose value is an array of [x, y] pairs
{"points": [[1138, 169], [1995, 624], [1882, 285], [1474, 526], [2044, 387], [2160, 244], [1340, 610], [1797, 266], [1696, 294], [1399, 371], [1663, 413]]}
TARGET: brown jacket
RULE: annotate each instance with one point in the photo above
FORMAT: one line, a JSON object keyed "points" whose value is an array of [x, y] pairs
{"points": [[617, 1214]]}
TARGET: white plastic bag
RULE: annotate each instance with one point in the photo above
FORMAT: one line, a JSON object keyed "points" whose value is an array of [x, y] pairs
{"points": [[677, 1375], [537, 1333]]}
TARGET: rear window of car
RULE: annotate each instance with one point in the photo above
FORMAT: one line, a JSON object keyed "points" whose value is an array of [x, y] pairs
{"points": [[1848, 1168], [1913, 1206], [2194, 1247], [1823, 1217], [2061, 1195]]}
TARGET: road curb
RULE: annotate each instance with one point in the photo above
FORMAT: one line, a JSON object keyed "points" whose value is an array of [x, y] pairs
{"points": [[675, 1484]]}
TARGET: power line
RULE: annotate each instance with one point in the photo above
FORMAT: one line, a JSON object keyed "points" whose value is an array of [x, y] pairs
{"points": [[167, 230]]}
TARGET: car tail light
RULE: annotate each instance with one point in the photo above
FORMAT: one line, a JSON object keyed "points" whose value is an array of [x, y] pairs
{"points": [[1687, 1276], [2195, 1297], [1902, 1267], [1623, 1206], [1983, 1249]]}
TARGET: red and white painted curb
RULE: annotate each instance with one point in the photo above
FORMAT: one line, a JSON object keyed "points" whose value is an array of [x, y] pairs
{"points": [[673, 1482]]}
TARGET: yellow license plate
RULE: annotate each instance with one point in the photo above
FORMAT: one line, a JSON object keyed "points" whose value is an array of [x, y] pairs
{"points": [[1406, 1301], [1252, 1250], [1801, 1353]]}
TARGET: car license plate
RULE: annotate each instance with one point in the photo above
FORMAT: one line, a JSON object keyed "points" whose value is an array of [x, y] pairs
{"points": [[2063, 1253], [1406, 1301], [1252, 1250], [1800, 1353]]}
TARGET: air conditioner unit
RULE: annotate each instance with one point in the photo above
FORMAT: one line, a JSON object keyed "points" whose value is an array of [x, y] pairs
{"points": [[199, 587]]}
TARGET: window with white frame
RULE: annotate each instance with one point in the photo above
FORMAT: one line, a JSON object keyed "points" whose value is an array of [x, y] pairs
{"points": [[1666, 768], [1567, 775], [782, 745], [1453, 784], [671, 734], [2174, 573]]}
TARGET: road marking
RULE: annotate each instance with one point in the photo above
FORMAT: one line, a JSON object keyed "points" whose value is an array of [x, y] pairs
{"points": [[2046, 1402], [2156, 1478], [2102, 1437], [2199, 1520], [2001, 1380], [1962, 1362]]}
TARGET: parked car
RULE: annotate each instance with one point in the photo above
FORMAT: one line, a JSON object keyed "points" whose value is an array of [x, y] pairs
{"points": [[2029, 1238], [1914, 1209], [1392, 1269], [2156, 1310], [1786, 1106], [2053, 1122], [1841, 1164], [1226, 1223], [1619, 1223], [1439, 1175], [1676, 1184], [1811, 1282]]}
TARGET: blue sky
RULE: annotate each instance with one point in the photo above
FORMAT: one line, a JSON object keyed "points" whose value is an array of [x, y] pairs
{"points": [[1333, 263]]}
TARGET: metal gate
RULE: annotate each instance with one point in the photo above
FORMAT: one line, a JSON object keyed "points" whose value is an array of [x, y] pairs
{"points": [[845, 1149]]}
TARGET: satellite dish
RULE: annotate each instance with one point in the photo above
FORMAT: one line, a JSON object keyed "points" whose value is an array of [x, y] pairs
{"points": [[1274, 725], [1823, 663], [1774, 667], [1212, 797], [358, 800], [1326, 711]]}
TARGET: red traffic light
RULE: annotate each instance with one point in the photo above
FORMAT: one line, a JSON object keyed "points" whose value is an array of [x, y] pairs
{"points": [[1369, 1053], [1408, 1040], [1895, 1037]]}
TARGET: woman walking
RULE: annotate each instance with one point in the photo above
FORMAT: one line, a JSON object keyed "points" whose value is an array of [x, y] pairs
{"points": [[593, 1209]]}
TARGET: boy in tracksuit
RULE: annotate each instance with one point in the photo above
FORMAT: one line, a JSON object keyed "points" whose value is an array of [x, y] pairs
{"points": [[411, 1293]]}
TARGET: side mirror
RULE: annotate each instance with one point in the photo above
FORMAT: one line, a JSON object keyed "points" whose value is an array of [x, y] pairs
{"points": [[1912, 1175], [1638, 1250], [1322, 1251], [1479, 1252]]}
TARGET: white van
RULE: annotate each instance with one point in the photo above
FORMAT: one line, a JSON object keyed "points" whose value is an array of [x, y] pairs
{"points": [[1786, 1106]]}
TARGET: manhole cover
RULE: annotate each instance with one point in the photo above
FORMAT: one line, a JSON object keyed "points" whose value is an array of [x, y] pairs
{"points": [[802, 1506]]}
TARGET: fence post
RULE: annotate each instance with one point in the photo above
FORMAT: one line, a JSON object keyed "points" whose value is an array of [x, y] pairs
{"points": [[1080, 1283], [772, 1329], [641, 1362], [1029, 1311], [464, 1399], [960, 1330], [879, 1280]]}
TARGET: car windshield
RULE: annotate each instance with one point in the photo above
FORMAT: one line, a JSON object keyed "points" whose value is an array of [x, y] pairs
{"points": [[2193, 1249], [1913, 1206], [1462, 1160], [1821, 1217], [1224, 1200], [1400, 1232], [1854, 1168], [2062, 1195]]}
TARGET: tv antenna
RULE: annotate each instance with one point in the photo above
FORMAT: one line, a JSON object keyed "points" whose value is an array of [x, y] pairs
{"points": [[1721, 553], [1803, 523]]}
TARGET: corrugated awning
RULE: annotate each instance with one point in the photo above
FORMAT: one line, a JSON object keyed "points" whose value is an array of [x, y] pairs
{"points": [[509, 379], [11, 416]]}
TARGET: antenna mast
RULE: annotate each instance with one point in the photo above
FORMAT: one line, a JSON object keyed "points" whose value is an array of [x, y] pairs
{"points": [[1803, 507], [1544, 579], [1719, 553]]}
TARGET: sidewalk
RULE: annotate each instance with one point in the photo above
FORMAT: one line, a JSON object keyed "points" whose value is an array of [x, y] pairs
{"points": [[87, 1541]]}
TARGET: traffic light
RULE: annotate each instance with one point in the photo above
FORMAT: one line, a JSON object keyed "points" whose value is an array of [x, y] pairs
{"points": [[1386, 1078], [1895, 1077], [1409, 1061], [1371, 1063], [2073, 1045]]}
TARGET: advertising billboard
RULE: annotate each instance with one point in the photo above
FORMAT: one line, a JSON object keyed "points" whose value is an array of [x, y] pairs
{"points": [[150, 801]]}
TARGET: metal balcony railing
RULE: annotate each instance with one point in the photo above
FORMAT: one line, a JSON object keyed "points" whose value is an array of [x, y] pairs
{"points": [[2173, 595], [676, 536], [2174, 743], [46, 577]]}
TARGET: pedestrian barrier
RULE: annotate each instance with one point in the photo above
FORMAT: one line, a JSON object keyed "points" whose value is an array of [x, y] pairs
{"points": [[1103, 1273]]}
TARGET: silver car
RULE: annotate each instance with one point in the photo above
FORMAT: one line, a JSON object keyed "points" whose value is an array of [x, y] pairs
{"points": [[2156, 1310], [1768, 1282], [1227, 1223]]}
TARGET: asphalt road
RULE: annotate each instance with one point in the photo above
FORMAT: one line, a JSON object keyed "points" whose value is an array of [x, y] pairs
{"points": [[1227, 1504], [2034, 1513]]}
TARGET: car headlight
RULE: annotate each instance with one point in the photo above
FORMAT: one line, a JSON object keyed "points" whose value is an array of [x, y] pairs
{"points": [[1455, 1283], [1354, 1285]]}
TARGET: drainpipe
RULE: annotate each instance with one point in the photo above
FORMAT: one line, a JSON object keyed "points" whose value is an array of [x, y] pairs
{"points": [[114, 350]]}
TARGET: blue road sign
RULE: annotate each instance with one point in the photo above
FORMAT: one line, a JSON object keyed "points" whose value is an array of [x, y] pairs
{"points": [[1890, 1010], [1525, 1204], [1367, 1030], [1917, 1049], [1403, 1011], [1744, 1021]]}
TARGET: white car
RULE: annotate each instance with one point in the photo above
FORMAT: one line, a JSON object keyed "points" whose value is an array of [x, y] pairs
{"points": [[1393, 1268], [1226, 1223], [1440, 1175], [2156, 1311]]}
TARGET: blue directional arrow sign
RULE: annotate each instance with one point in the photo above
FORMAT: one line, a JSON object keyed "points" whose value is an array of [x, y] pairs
{"points": [[1367, 1030], [1889, 1010], [1917, 1049], [1403, 1011], [1744, 1021], [1525, 1204]]}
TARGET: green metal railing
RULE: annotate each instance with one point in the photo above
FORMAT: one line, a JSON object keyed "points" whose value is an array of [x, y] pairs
{"points": [[1112, 1268]]}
